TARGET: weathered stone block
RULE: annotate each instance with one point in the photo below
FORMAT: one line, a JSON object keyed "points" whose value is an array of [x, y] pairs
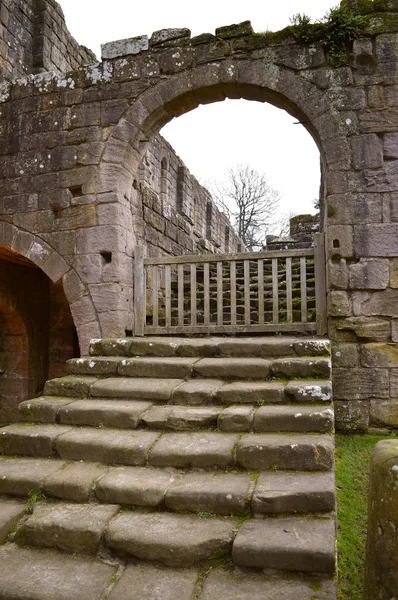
{"points": [[379, 355], [360, 383], [123, 47], [352, 415], [338, 274], [384, 413], [340, 241], [381, 573], [376, 240], [369, 275], [167, 35], [370, 329], [345, 355], [339, 304], [367, 150]]}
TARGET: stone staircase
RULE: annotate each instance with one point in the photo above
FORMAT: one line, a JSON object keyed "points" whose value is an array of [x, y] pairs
{"points": [[166, 468]]}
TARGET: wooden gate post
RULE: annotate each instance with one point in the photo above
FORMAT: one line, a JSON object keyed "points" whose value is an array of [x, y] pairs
{"points": [[320, 284], [139, 290]]}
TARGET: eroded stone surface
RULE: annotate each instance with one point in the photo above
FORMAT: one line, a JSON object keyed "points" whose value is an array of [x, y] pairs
{"points": [[173, 540], [120, 414], [19, 476], [74, 481], [10, 513], [201, 450], [180, 418], [156, 390]]}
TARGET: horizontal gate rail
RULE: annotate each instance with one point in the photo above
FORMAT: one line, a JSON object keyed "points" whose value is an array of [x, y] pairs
{"points": [[282, 291]]}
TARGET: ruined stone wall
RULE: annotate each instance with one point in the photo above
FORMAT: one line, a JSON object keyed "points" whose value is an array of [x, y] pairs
{"points": [[178, 214], [34, 38], [73, 178]]}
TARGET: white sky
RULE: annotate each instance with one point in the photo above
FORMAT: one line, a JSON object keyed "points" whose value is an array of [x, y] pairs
{"points": [[214, 137]]}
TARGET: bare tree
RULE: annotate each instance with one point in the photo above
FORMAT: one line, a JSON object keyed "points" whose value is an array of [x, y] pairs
{"points": [[250, 203]]}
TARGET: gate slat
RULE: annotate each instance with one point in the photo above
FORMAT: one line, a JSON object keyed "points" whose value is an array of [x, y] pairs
{"points": [[289, 303], [180, 295], [206, 293], [303, 286], [233, 292], [193, 295], [167, 283], [275, 299], [246, 280], [219, 295], [155, 295], [260, 271]]}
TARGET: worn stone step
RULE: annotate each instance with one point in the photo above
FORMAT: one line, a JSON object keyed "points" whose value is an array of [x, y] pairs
{"points": [[33, 574], [181, 418], [64, 526], [286, 492], [155, 390], [11, 511], [233, 368], [255, 346], [301, 452], [292, 368], [30, 440], [308, 391], [169, 539], [292, 544], [293, 419], [70, 386], [173, 367]]}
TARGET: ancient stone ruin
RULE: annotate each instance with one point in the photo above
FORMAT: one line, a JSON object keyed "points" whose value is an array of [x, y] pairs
{"points": [[200, 435]]}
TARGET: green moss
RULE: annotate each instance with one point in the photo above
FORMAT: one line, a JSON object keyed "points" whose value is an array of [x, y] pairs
{"points": [[33, 497], [336, 32], [275, 38]]}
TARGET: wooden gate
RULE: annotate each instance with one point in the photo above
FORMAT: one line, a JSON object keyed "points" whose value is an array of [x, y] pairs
{"points": [[281, 291]]}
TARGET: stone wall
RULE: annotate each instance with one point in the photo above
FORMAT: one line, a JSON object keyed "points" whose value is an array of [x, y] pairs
{"points": [[174, 214], [74, 183], [34, 38], [301, 234]]}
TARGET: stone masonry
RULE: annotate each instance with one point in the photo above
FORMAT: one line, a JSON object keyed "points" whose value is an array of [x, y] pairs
{"points": [[73, 172]]}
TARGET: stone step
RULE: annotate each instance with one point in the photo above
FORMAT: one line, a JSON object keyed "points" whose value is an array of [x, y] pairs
{"points": [[255, 346], [197, 450], [192, 391], [32, 574], [292, 544], [183, 367], [131, 414], [177, 490]]}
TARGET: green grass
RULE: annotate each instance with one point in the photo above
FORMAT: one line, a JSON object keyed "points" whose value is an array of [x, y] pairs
{"points": [[353, 453]]}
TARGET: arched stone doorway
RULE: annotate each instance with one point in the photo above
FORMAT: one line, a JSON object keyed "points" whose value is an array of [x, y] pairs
{"points": [[37, 334]]}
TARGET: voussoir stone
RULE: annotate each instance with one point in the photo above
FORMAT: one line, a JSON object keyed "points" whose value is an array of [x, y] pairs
{"points": [[294, 544], [75, 481], [200, 450], [180, 418], [137, 486], [233, 368], [148, 582], [156, 390], [220, 493], [121, 414], [173, 367], [68, 527], [283, 492], [282, 451], [51, 575], [108, 446], [173, 540], [251, 392]]}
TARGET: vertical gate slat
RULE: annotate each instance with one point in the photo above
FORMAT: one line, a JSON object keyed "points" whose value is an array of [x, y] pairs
{"points": [[260, 269], [246, 271], [167, 282], [180, 295], [275, 299], [155, 295], [206, 292], [289, 307], [193, 295], [303, 286], [219, 295], [233, 292]]}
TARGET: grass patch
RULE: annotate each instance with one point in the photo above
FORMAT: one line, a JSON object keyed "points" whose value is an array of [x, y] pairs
{"points": [[353, 453]]}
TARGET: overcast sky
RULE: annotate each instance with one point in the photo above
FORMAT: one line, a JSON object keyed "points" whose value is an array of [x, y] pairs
{"points": [[214, 137]]}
